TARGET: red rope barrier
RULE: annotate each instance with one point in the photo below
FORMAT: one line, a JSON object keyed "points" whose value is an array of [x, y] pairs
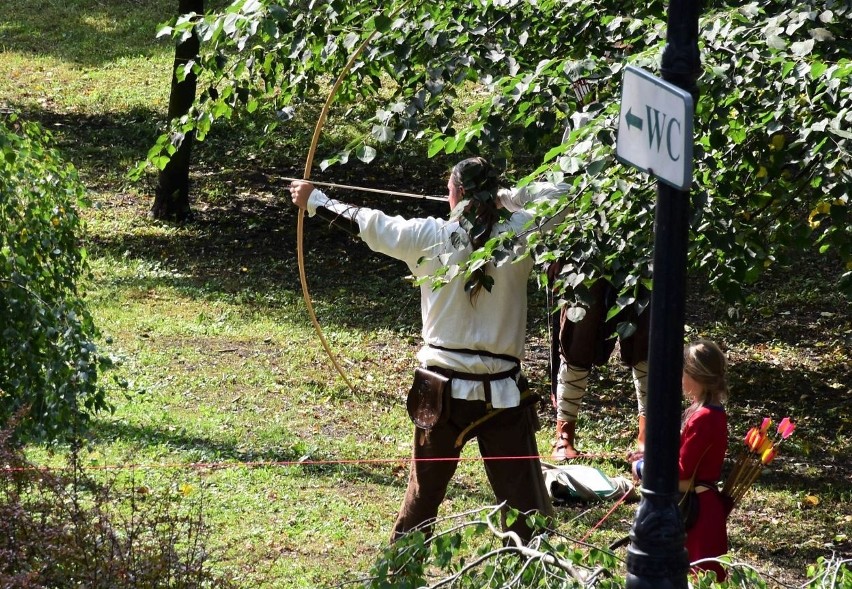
{"points": [[605, 517], [257, 464]]}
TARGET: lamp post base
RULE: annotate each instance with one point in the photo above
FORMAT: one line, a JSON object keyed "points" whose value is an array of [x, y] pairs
{"points": [[656, 557]]}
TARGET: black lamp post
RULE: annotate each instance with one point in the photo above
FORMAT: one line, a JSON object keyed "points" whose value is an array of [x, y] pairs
{"points": [[656, 557]]}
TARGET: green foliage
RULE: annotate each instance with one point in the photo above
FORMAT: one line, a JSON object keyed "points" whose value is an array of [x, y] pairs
{"points": [[505, 77], [48, 361], [469, 551], [402, 563], [774, 147], [831, 572]]}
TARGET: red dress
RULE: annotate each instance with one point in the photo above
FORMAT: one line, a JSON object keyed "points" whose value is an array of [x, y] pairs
{"points": [[703, 444]]}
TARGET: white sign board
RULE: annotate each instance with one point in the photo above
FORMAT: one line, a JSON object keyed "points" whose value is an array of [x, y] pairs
{"points": [[655, 128]]}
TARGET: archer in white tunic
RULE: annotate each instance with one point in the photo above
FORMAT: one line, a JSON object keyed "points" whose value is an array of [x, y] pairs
{"points": [[474, 336]]}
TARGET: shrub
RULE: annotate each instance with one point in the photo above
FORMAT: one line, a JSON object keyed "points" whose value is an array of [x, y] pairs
{"points": [[48, 361], [63, 529]]}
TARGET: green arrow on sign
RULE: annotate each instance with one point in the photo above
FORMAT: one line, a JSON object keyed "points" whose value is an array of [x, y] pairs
{"points": [[633, 120]]}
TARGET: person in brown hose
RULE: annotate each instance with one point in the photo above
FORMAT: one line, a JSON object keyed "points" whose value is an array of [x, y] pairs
{"points": [[578, 346], [474, 330]]}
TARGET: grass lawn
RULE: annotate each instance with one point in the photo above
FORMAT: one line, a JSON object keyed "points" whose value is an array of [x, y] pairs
{"points": [[222, 389]]}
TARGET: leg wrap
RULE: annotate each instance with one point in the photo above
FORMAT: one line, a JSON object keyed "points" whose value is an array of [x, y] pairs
{"points": [[570, 389], [640, 382]]}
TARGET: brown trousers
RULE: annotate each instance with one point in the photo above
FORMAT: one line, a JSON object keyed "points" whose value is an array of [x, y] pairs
{"points": [[517, 482], [590, 341]]}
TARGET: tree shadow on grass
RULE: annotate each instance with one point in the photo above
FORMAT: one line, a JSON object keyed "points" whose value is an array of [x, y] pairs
{"points": [[221, 454], [106, 147], [250, 258], [101, 147]]}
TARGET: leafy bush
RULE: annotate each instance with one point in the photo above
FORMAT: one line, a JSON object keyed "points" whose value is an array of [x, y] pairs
{"points": [[469, 550], [48, 361], [66, 530]]}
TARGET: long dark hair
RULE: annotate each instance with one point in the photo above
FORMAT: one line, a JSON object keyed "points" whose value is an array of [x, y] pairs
{"points": [[479, 179]]}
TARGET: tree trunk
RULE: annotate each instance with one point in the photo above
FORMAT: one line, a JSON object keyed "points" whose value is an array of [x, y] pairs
{"points": [[171, 200]]}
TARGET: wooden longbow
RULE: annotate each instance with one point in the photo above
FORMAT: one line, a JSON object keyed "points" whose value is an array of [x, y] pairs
{"points": [[300, 223]]}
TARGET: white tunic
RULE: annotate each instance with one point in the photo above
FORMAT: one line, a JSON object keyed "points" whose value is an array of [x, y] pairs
{"points": [[495, 322]]}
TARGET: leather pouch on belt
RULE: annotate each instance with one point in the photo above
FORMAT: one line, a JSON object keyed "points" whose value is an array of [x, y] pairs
{"points": [[428, 400]]}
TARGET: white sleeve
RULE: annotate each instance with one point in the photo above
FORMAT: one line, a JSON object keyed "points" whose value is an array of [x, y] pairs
{"points": [[404, 239], [516, 199]]}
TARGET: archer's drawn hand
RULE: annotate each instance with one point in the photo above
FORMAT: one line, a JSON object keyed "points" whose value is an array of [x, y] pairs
{"points": [[300, 191]]}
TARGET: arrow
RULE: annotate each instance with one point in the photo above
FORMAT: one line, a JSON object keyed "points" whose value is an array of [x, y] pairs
{"points": [[365, 189], [633, 120]]}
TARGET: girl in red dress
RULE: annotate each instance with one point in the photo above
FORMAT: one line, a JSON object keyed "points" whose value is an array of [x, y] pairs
{"points": [[703, 444]]}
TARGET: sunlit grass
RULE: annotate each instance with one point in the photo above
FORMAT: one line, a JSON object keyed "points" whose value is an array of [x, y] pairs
{"points": [[83, 56], [63, 86]]}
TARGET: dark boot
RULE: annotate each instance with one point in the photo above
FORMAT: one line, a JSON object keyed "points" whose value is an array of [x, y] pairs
{"points": [[563, 446]]}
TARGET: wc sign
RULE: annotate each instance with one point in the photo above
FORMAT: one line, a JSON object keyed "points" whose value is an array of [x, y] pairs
{"points": [[655, 128]]}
